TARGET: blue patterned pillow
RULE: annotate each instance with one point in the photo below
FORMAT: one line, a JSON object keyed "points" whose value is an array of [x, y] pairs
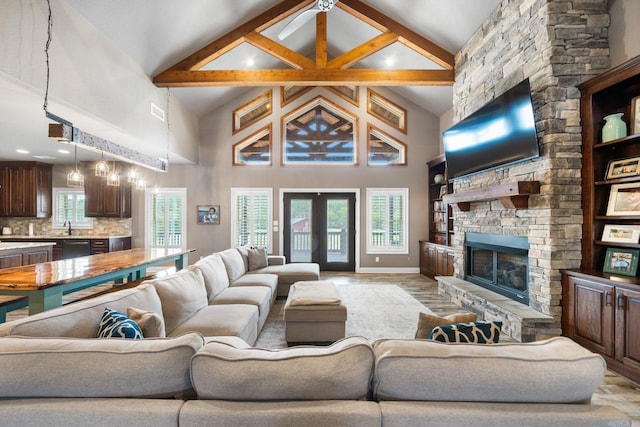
{"points": [[470, 332], [114, 324]]}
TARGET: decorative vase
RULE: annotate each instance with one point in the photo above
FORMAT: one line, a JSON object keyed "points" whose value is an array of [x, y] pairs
{"points": [[438, 178], [614, 127]]}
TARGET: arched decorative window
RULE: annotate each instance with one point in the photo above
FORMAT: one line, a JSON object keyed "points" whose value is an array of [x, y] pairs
{"points": [[319, 133]]}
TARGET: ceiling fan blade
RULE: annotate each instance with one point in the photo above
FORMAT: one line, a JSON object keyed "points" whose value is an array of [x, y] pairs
{"points": [[298, 22]]}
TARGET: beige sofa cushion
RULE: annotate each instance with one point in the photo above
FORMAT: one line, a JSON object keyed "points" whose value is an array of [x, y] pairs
{"points": [[340, 371], [72, 367], [428, 321], [551, 371], [214, 274], [81, 319], [234, 263], [182, 295]]}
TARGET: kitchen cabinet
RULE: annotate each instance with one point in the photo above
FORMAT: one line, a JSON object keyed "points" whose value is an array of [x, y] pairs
{"points": [[93, 245], [102, 200], [112, 244], [18, 256], [25, 189], [603, 315]]}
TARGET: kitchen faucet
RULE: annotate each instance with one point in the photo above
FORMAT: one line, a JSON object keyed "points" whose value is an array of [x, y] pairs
{"points": [[67, 222]]}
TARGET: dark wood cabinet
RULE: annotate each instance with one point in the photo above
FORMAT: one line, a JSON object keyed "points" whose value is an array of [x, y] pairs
{"points": [[25, 189], [601, 311], [102, 200], [112, 244], [24, 256], [435, 260]]}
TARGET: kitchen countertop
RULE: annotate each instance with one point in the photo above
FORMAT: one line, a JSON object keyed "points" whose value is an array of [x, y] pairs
{"points": [[58, 237], [23, 245]]}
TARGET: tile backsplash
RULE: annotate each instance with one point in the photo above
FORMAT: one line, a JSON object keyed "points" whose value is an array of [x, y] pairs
{"points": [[44, 227]]}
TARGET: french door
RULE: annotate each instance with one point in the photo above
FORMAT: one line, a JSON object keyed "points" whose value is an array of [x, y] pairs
{"points": [[320, 227]]}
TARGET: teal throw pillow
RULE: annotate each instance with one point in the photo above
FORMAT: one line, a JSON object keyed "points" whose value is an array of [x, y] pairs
{"points": [[469, 332], [114, 324]]}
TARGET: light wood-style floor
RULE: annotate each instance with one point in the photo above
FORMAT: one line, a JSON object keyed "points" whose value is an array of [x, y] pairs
{"points": [[615, 390]]}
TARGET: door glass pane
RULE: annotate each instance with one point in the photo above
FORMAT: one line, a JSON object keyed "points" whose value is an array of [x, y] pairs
{"points": [[337, 229], [300, 227]]}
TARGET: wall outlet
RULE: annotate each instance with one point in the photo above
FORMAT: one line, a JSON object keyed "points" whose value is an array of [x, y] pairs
{"points": [[377, 259]]}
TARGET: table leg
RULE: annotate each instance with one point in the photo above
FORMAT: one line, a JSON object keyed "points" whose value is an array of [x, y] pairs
{"points": [[45, 299]]}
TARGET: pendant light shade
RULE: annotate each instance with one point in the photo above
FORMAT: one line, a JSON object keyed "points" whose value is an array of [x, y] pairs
{"points": [[141, 184], [102, 168], [75, 178], [132, 176], [113, 179]]}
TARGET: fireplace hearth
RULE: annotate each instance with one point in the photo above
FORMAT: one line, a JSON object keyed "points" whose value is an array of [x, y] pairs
{"points": [[499, 263]]}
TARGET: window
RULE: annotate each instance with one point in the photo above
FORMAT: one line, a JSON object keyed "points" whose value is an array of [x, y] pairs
{"points": [[387, 220], [319, 133], [251, 216], [166, 215], [254, 150], [384, 150], [68, 205]]}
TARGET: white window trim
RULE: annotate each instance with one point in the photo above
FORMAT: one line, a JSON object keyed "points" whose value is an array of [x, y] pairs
{"points": [[60, 226], [235, 191], [404, 192], [148, 197]]}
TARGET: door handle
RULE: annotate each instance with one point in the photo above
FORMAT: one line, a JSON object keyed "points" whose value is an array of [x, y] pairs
{"points": [[620, 299], [607, 298]]}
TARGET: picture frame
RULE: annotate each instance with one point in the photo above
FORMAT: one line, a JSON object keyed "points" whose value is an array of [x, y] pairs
{"points": [[635, 116], [621, 261], [624, 200], [623, 167], [209, 214], [617, 233]]}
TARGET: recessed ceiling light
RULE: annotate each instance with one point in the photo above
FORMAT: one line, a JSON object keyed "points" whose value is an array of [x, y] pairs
{"points": [[251, 62], [389, 61], [21, 151], [64, 151]]}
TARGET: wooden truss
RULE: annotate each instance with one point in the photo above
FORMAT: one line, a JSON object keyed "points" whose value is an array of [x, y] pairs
{"points": [[304, 71]]}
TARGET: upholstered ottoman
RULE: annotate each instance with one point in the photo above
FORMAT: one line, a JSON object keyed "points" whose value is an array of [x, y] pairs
{"points": [[314, 313]]}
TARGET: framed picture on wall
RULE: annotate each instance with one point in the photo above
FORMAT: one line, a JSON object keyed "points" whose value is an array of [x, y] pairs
{"points": [[209, 214], [621, 261]]}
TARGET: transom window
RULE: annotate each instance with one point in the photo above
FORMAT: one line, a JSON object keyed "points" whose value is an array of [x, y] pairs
{"points": [[319, 133]]}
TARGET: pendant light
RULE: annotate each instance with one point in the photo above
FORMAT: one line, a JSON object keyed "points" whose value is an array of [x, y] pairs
{"points": [[132, 176], [113, 179], [75, 178], [140, 184], [102, 168]]}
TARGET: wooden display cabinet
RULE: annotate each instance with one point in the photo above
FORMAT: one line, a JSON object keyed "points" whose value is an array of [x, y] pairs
{"points": [[601, 310], [436, 255]]}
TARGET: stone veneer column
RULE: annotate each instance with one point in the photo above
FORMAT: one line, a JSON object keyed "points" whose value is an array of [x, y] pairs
{"points": [[557, 45]]}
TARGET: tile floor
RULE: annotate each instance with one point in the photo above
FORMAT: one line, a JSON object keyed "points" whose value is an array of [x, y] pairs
{"points": [[615, 390]]}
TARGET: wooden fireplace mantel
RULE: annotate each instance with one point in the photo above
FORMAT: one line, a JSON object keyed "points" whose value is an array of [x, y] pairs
{"points": [[513, 195]]}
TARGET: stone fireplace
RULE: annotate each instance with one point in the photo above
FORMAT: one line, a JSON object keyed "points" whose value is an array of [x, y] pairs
{"points": [[557, 45]]}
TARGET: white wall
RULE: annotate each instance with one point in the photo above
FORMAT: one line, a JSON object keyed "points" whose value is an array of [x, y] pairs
{"points": [[93, 85], [624, 31]]}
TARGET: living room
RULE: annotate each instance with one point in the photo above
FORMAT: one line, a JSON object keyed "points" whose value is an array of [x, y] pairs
{"points": [[509, 44]]}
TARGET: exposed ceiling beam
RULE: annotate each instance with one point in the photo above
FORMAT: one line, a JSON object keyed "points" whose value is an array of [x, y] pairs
{"points": [[315, 77], [322, 72]]}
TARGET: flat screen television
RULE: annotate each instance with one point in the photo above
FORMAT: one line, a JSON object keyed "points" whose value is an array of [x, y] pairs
{"points": [[502, 131]]}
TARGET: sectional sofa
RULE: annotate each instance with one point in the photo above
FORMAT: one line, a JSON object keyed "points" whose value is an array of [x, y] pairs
{"points": [[203, 369]]}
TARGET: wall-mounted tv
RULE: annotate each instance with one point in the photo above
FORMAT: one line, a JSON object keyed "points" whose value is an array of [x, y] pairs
{"points": [[502, 131]]}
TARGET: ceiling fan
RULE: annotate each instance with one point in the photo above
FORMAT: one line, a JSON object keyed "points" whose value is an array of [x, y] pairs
{"points": [[302, 18]]}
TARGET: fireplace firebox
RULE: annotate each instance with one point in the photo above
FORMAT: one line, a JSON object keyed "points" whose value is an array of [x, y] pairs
{"points": [[499, 263]]}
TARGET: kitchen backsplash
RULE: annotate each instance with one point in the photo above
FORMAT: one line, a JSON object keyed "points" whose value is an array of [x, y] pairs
{"points": [[43, 227]]}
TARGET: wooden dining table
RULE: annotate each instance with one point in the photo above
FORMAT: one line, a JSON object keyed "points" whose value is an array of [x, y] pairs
{"points": [[45, 283]]}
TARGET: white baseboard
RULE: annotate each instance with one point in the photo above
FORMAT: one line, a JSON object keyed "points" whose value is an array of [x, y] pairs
{"points": [[400, 270]]}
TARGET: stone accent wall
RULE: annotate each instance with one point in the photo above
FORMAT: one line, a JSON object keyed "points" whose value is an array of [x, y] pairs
{"points": [[557, 45]]}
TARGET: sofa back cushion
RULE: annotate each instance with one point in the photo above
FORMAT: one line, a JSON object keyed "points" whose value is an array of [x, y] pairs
{"points": [[551, 371], [182, 295], [73, 367], [82, 319], [214, 274], [234, 263], [340, 371]]}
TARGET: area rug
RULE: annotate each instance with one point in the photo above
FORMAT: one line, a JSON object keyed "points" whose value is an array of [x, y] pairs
{"points": [[373, 311]]}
